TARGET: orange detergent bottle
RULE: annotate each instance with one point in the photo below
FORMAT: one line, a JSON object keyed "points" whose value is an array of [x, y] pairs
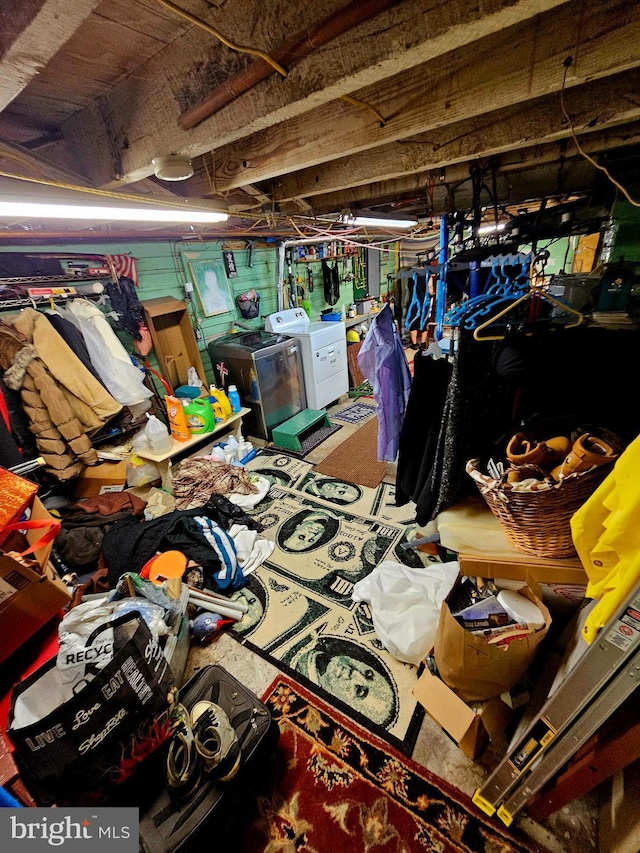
{"points": [[177, 418]]}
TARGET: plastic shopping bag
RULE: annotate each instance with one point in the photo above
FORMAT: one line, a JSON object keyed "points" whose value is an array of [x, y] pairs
{"points": [[405, 605]]}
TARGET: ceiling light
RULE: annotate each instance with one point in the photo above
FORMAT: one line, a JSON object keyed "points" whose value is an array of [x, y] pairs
{"points": [[173, 167], [491, 229], [36, 210], [373, 222]]}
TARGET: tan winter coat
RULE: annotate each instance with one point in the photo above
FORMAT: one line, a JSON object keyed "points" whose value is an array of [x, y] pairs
{"points": [[60, 438], [90, 402]]}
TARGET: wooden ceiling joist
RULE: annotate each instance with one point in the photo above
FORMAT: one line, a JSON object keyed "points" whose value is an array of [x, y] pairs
{"points": [[434, 94], [32, 32], [511, 129], [144, 109]]}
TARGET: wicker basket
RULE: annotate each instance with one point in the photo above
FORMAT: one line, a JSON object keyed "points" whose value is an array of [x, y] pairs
{"points": [[538, 523]]}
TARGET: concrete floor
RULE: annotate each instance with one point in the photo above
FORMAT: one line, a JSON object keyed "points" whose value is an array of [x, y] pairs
{"points": [[573, 829]]}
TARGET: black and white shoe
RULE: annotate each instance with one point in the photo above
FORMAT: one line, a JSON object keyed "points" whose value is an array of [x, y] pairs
{"points": [[215, 741]]}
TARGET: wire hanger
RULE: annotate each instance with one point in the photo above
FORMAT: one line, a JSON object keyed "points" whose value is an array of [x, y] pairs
{"points": [[534, 293]]}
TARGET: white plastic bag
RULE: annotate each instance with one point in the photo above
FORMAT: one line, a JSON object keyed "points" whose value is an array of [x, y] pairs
{"points": [[141, 472], [193, 379], [405, 605]]}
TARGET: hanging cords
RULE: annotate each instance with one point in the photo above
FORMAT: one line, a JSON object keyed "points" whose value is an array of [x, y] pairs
{"points": [[155, 202], [567, 63], [238, 48]]}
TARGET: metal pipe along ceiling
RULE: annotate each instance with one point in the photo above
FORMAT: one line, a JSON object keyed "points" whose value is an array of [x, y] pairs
{"points": [[290, 52]]}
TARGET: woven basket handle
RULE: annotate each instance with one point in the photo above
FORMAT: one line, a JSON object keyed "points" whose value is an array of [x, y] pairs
{"points": [[484, 481]]}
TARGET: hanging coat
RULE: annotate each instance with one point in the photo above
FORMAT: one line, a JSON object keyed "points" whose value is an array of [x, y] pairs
{"points": [[90, 402], [113, 363], [383, 362], [60, 438], [607, 538]]}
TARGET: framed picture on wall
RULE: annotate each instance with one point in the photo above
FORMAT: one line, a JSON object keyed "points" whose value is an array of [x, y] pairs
{"points": [[210, 281]]}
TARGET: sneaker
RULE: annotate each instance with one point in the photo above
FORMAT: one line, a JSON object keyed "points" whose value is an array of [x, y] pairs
{"points": [[216, 741], [183, 766]]}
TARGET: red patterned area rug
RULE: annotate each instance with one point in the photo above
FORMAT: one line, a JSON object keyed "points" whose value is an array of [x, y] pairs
{"points": [[336, 787]]}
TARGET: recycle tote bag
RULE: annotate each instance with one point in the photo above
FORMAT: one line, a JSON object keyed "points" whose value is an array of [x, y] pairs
{"points": [[75, 747]]}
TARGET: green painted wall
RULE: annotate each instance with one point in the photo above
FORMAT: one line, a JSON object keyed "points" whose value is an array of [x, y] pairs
{"points": [[626, 240], [561, 253], [163, 269]]}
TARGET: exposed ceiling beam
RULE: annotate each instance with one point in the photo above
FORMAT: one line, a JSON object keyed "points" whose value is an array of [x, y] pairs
{"points": [[283, 57], [16, 160], [568, 175], [596, 110], [138, 119], [436, 94], [31, 33]]}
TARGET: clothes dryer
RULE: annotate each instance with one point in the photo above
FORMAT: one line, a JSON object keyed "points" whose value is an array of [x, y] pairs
{"points": [[324, 353]]}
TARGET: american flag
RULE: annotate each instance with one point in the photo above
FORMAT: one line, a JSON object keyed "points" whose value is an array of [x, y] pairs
{"points": [[125, 265], [223, 372]]}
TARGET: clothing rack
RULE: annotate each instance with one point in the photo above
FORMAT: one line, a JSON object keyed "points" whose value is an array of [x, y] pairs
{"points": [[36, 301], [67, 278]]}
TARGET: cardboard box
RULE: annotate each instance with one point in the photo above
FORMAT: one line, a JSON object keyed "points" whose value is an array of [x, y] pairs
{"points": [[519, 567], [101, 479], [28, 598], [174, 341], [470, 726]]}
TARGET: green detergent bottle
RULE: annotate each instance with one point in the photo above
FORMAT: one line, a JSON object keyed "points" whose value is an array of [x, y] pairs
{"points": [[199, 415]]}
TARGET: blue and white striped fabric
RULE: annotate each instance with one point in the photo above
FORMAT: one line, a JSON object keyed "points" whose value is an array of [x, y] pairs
{"points": [[230, 575]]}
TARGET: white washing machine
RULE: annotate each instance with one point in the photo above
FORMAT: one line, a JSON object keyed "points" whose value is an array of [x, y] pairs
{"points": [[324, 354]]}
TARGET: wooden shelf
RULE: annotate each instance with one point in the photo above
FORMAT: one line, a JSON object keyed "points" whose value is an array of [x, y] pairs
{"points": [[360, 318], [233, 424]]}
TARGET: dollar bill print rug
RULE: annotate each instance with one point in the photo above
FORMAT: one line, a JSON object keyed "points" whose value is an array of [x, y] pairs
{"points": [[301, 615], [284, 470]]}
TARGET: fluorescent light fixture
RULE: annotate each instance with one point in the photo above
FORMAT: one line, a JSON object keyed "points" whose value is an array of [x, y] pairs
{"points": [[36, 210], [373, 222], [491, 229]]}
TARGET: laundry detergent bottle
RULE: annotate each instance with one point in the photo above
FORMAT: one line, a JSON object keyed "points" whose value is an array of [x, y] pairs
{"points": [[217, 395], [199, 416], [234, 399]]}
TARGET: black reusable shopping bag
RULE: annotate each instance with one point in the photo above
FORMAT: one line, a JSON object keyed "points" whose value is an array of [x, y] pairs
{"points": [[75, 749]]}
